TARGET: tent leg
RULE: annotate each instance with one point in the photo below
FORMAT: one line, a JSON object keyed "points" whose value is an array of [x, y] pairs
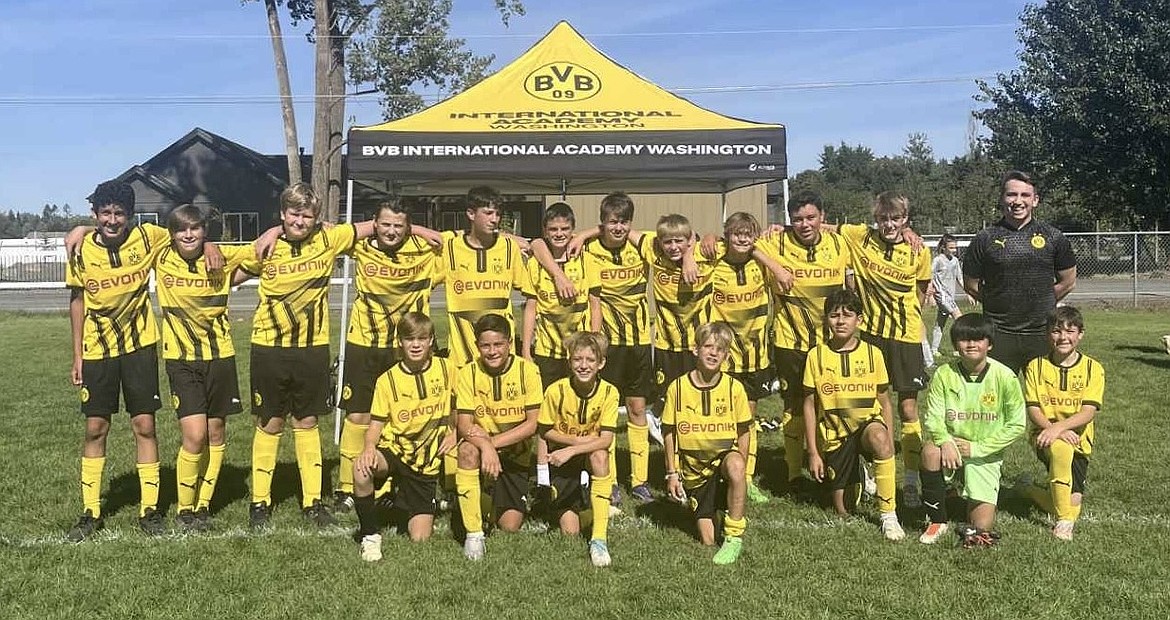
{"points": [[784, 207], [345, 271], [564, 190], [723, 206]]}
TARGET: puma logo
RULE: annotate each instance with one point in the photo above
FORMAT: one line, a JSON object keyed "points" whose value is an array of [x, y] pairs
{"points": [[999, 242], [931, 505]]}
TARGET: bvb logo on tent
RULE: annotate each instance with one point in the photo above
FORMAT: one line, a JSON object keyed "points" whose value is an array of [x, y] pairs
{"points": [[562, 81]]}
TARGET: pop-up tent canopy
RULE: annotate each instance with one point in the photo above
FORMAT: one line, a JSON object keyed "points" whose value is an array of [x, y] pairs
{"points": [[565, 118]]}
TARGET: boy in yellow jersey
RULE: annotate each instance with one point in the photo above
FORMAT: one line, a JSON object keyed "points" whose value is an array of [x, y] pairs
{"points": [[817, 258], [1064, 392], [410, 429], [481, 268], [114, 346], [396, 269], [705, 426], [290, 345], [974, 411], [200, 358], [497, 399], [891, 277], [578, 419], [847, 412]]}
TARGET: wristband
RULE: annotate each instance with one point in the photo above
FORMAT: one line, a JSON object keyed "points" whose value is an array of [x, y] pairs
{"points": [[672, 474]]}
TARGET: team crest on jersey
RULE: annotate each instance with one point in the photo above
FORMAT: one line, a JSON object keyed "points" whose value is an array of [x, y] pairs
{"points": [[860, 368], [497, 266], [256, 399], [84, 395], [988, 399], [435, 388], [659, 377], [1078, 385], [511, 391], [346, 392], [174, 401], [1038, 242], [134, 257]]}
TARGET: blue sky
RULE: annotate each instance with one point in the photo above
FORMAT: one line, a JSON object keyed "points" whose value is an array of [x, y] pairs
{"points": [[80, 76]]}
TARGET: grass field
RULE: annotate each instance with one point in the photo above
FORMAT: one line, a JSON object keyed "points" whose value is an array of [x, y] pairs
{"points": [[799, 561]]}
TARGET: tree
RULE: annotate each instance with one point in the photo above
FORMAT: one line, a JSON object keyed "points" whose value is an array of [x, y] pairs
{"points": [[1089, 108], [291, 148]]}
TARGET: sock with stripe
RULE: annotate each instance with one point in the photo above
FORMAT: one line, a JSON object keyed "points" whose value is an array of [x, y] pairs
{"points": [[212, 464], [307, 442], [353, 440], [187, 479], [639, 438], [467, 486], [148, 481], [92, 468], [264, 447]]}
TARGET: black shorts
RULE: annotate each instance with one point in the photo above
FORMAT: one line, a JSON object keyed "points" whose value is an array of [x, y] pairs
{"points": [[568, 494], [134, 375], [756, 383], [1080, 469], [708, 498], [211, 387], [904, 363], [628, 368], [363, 366], [510, 490], [842, 467], [413, 492], [551, 369], [789, 365], [292, 380], [1016, 350], [668, 366]]}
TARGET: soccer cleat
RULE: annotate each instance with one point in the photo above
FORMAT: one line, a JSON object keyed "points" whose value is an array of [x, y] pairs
{"points": [[474, 547], [318, 513], [892, 530], [729, 552], [342, 501], [642, 493], [371, 547], [1166, 343], [1064, 530], [974, 538], [152, 522], [85, 527], [599, 553], [187, 521], [910, 496], [258, 515], [203, 519], [933, 532], [755, 495], [654, 427]]}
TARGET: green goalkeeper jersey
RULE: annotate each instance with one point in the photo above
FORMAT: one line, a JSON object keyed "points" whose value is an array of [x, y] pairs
{"points": [[986, 410]]}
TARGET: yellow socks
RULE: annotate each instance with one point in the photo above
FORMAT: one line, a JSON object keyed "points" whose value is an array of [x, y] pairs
{"points": [[734, 527], [209, 475], [264, 446], [91, 484], [1060, 459], [307, 442], [148, 486], [794, 446], [467, 486], [753, 445], [599, 492], [912, 445], [353, 440], [187, 478], [639, 437], [885, 477], [450, 467]]}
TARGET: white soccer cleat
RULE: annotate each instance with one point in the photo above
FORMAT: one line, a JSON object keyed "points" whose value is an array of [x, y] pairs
{"points": [[1064, 530], [933, 532], [474, 547], [371, 547], [599, 553], [892, 530]]}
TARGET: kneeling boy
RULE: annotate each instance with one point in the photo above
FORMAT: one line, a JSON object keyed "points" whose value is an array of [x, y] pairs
{"points": [[974, 411], [705, 425], [578, 419]]}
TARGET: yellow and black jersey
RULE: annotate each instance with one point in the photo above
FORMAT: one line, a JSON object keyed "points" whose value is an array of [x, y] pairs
{"points": [[195, 324], [415, 407], [1060, 392], [887, 276], [577, 415], [479, 281], [114, 282], [739, 297], [294, 288], [678, 307], [846, 384], [499, 402], [625, 317], [557, 318], [818, 270], [706, 424], [389, 284]]}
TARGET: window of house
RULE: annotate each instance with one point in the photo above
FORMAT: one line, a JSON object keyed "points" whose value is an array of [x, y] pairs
{"points": [[241, 226]]}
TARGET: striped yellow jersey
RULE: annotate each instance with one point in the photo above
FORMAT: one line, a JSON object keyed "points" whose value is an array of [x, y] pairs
{"points": [[739, 297], [625, 317], [557, 318], [818, 270], [887, 276], [578, 415], [846, 384], [479, 281], [678, 307], [706, 423], [389, 284], [195, 324], [294, 288], [415, 407], [1060, 392], [499, 402], [115, 282]]}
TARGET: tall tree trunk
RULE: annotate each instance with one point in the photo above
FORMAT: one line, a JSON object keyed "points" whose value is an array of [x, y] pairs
{"points": [[286, 104], [336, 114], [322, 119]]}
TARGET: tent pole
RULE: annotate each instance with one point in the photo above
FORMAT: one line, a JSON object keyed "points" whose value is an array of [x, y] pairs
{"points": [[345, 270], [784, 207], [723, 206], [564, 190]]}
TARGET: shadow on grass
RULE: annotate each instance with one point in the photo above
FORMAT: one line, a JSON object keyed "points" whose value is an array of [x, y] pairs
{"points": [[1155, 363]]}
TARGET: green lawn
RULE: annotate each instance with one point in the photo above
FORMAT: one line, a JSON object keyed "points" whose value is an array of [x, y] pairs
{"points": [[800, 562]]}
